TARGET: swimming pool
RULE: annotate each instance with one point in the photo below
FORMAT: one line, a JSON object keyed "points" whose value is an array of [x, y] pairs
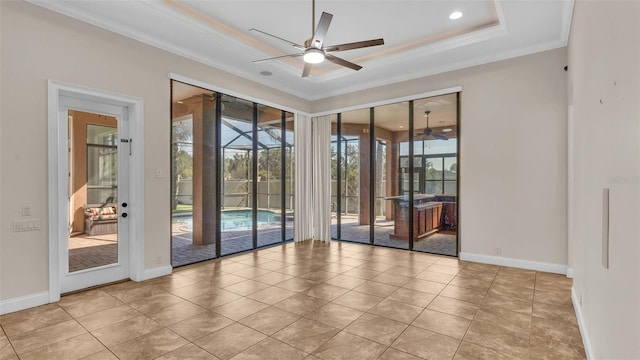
{"points": [[234, 220]]}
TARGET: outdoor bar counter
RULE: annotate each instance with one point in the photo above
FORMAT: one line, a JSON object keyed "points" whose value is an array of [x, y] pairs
{"points": [[431, 213]]}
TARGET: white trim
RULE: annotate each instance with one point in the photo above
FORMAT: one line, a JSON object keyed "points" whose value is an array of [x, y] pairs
{"points": [[135, 107], [24, 302], [517, 263], [449, 90], [570, 272], [586, 342], [157, 272], [54, 258], [202, 84]]}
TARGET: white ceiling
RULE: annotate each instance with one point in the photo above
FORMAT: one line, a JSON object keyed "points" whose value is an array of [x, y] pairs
{"points": [[420, 39]]}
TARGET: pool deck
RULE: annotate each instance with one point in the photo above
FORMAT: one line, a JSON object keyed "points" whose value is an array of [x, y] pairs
{"points": [[184, 252]]}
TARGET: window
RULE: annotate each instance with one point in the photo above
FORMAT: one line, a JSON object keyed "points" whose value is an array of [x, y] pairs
{"points": [[102, 164]]}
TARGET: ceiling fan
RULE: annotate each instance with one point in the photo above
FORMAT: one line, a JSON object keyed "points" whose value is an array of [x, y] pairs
{"points": [[429, 132], [314, 51]]}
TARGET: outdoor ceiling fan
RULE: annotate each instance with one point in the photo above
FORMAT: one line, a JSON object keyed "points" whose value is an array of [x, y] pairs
{"points": [[314, 51], [429, 132]]}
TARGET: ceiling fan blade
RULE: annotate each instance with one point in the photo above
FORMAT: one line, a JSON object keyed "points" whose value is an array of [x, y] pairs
{"points": [[343, 62], [278, 57], [297, 46], [439, 136], [306, 70], [354, 45], [321, 30]]}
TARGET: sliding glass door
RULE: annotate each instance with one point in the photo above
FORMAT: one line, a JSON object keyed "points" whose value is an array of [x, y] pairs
{"points": [[232, 174], [237, 156], [390, 126], [395, 175], [355, 203]]}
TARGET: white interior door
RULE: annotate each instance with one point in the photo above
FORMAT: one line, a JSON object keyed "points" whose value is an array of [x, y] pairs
{"points": [[94, 243]]}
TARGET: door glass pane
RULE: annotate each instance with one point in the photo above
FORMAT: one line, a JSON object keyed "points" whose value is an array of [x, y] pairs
{"points": [[236, 218], [192, 160], [435, 207], [269, 188], [334, 176], [290, 166], [93, 195], [391, 226], [355, 181]]}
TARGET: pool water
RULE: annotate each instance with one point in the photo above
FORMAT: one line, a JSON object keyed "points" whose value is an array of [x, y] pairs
{"points": [[235, 220]]}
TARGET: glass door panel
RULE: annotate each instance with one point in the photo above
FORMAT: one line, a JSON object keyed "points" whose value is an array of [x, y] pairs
{"points": [[193, 200], [436, 151], [290, 168], [391, 227], [269, 185], [355, 182], [335, 157], [93, 200], [236, 150]]}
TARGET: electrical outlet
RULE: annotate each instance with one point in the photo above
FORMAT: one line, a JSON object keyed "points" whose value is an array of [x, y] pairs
{"points": [[158, 260], [26, 211], [580, 299], [498, 251]]}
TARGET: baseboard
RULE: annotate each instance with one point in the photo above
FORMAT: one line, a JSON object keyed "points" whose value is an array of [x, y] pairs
{"points": [[581, 325], [24, 302], [570, 272], [517, 263], [157, 272]]}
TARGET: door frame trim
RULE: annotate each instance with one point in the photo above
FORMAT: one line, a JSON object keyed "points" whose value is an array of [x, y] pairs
{"points": [[135, 106]]}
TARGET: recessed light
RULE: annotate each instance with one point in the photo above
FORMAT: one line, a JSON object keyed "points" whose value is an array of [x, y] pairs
{"points": [[401, 127], [180, 102], [447, 130], [266, 73], [455, 15]]}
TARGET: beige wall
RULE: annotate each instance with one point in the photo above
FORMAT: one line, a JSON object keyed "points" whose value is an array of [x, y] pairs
{"points": [[513, 152], [38, 45], [604, 137]]}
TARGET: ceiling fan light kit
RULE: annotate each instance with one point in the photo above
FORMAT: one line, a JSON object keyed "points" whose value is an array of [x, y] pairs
{"points": [[313, 56], [313, 51]]}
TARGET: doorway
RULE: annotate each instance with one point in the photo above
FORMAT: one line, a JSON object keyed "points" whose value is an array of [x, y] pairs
{"points": [[95, 225]]}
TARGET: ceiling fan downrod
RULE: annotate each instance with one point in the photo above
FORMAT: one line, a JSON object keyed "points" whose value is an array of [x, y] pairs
{"points": [[307, 43]]}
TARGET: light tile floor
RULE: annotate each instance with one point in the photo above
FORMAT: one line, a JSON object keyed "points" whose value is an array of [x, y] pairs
{"points": [[310, 300]]}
